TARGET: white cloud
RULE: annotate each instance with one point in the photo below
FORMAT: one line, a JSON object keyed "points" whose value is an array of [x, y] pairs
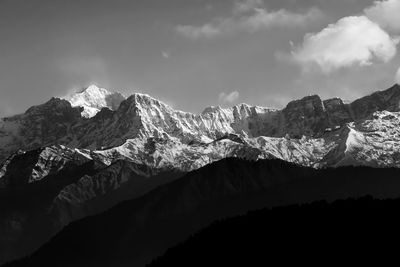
{"points": [[398, 76], [228, 98], [251, 16], [386, 13], [350, 41]]}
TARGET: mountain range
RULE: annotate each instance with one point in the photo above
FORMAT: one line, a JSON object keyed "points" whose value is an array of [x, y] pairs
{"points": [[78, 156]]}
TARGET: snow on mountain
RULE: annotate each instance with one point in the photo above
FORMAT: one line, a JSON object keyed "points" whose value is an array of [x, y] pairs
{"points": [[375, 141], [33, 166], [141, 118], [98, 147], [93, 99]]}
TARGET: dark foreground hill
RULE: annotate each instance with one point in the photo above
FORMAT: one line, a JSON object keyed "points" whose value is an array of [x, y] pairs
{"points": [[135, 232], [346, 231]]}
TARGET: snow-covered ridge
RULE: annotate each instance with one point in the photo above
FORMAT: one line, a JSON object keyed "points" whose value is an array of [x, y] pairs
{"points": [[140, 117], [93, 99]]}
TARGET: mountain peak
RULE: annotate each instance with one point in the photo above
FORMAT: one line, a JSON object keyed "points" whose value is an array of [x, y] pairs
{"points": [[145, 101], [95, 92], [94, 98]]}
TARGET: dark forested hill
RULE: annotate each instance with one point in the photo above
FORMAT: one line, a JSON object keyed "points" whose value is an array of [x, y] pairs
{"points": [[135, 232], [346, 231]]}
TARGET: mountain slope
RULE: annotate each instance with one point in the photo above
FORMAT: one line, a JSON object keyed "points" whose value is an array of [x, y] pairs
{"points": [[144, 228]]}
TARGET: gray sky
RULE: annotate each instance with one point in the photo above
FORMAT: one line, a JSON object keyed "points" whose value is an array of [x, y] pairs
{"points": [[196, 53]]}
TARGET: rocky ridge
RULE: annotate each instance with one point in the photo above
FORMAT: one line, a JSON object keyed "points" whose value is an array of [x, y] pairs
{"points": [[140, 117]]}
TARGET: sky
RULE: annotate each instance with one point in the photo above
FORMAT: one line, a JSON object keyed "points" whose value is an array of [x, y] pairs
{"points": [[197, 53]]}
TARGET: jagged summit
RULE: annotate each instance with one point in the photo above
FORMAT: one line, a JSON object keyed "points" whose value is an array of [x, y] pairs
{"points": [[94, 98]]}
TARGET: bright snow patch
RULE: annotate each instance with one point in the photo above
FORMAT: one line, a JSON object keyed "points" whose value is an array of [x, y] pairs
{"points": [[93, 99]]}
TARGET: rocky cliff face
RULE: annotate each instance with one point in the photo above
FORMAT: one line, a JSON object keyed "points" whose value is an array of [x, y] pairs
{"points": [[379, 101], [305, 117], [338, 113]]}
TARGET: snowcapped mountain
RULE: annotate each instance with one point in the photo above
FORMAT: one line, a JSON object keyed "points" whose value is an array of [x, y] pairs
{"points": [[307, 131], [87, 152], [93, 99]]}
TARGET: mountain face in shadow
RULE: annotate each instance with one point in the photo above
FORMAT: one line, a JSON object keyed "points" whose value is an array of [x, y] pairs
{"points": [[135, 232], [43, 190], [344, 231]]}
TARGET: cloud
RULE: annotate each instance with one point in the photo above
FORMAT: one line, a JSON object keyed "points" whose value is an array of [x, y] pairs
{"points": [[262, 18], [246, 6], [250, 16], [82, 70], [386, 14], [195, 32], [398, 76], [228, 98], [165, 54], [351, 41]]}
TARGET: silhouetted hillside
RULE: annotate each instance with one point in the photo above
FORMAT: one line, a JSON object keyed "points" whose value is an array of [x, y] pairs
{"points": [[319, 233], [31, 213], [135, 232]]}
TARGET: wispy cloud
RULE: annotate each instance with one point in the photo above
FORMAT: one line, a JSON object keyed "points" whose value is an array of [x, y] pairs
{"points": [[264, 19], [82, 71], [352, 41], [398, 76], [250, 16], [246, 6], [165, 54], [229, 98], [195, 32]]}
